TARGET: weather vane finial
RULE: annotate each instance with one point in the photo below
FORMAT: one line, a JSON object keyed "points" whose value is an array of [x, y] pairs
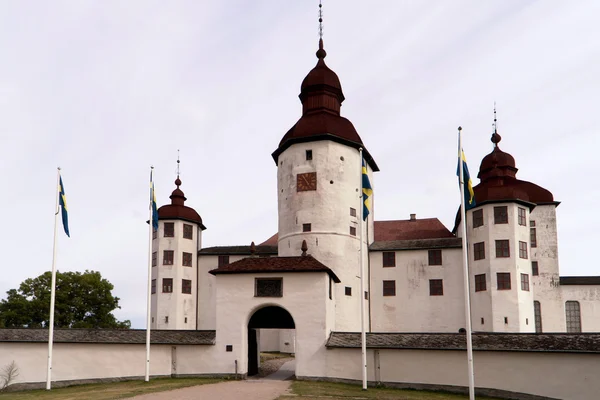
{"points": [[495, 120], [320, 20], [178, 162]]}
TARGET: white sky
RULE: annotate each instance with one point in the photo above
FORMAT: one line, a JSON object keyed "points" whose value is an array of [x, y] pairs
{"points": [[105, 89]]}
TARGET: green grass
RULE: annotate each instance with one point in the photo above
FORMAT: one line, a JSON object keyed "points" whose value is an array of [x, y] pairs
{"points": [[308, 390], [273, 356], [107, 391]]}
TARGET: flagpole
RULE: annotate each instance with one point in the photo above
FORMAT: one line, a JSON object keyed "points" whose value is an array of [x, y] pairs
{"points": [[53, 288], [466, 270], [149, 288], [363, 336]]}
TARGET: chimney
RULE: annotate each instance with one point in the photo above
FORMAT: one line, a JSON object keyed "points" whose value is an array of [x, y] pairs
{"points": [[413, 217]]}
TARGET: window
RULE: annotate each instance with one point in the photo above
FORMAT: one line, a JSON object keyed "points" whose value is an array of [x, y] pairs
{"points": [[154, 259], [168, 257], [169, 229], [523, 250], [185, 320], [188, 231], [525, 282], [506, 320], [353, 231], [268, 287], [436, 287], [502, 248], [153, 286], [352, 212], [435, 257], [154, 233], [533, 235], [186, 286], [482, 321], [223, 260], [537, 312], [389, 288], [308, 155], [366, 295], [477, 218], [166, 319], [522, 217], [534, 268], [330, 288], [573, 316], [167, 285], [187, 259], [501, 215], [306, 228], [479, 251], [348, 291], [389, 259], [480, 284], [503, 279]]}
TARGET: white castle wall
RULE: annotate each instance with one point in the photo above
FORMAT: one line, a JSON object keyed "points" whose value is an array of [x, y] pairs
{"points": [[328, 211]]}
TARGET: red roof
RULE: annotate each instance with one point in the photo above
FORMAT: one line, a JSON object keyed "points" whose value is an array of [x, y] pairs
{"points": [[178, 210], [408, 229], [272, 241], [275, 264]]}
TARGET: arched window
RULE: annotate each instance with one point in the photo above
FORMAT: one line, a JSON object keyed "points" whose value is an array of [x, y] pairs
{"points": [[537, 312], [573, 314]]}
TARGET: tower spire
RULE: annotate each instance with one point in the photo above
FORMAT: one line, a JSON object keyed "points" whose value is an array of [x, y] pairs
{"points": [[495, 136], [178, 162], [320, 21]]}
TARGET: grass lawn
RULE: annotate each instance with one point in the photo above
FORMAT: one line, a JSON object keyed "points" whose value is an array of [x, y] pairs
{"points": [[307, 390], [107, 391], [273, 356]]}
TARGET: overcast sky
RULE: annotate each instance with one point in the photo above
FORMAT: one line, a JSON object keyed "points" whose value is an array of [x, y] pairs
{"points": [[104, 89]]}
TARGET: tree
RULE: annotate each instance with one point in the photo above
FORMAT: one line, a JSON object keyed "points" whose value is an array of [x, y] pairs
{"points": [[83, 300]]}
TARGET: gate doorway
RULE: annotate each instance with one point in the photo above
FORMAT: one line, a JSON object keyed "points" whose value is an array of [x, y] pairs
{"points": [[270, 317]]}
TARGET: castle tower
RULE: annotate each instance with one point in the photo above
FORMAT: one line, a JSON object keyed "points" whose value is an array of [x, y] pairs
{"points": [[318, 188], [500, 247], [175, 264]]}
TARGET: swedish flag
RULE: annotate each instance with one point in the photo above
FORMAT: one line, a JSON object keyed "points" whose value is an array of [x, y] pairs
{"points": [[153, 204], [469, 193], [62, 201], [367, 191]]}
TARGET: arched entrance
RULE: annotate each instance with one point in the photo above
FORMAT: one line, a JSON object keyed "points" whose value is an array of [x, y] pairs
{"points": [[270, 317]]}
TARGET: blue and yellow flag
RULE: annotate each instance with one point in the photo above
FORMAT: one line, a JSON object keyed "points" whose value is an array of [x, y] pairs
{"points": [[367, 191], [62, 201], [469, 193], [153, 204]]}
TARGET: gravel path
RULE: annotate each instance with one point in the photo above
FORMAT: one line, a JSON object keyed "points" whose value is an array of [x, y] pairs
{"points": [[234, 390]]}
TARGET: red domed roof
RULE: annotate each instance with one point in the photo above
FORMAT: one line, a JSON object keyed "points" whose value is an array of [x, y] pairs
{"points": [[178, 210]]}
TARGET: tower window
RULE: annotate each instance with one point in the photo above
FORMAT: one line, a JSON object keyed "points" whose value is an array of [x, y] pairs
{"points": [[502, 249], [532, 234], [168, 257], [389, 288], [167, 319], [188, 231], [169, 229], [353, 231], [477, 218], [535, 271], [523, 250], [348, 291], [525, 282], [503, 279], [154, 233], [153, 286], [537, 312], [223, 260], [185, 320], [154, 259], [506, 320], [501, 215], [187, 259], [436, 287], [308, 155], [435, 257], [479, 251], [573, 314], [522, 217], [167, 285], [306, 228], [186, 286], [480, 284], [352, 212]]}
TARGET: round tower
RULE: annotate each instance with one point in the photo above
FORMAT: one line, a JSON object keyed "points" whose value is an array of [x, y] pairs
{"points": [[175, 264], [318, 187]]}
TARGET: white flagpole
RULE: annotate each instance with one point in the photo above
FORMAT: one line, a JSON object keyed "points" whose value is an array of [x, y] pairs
{"points": [[466, 270], [363, 336], [149, 288], [53, 287]]}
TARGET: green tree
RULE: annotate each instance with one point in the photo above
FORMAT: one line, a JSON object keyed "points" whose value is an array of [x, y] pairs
{"points": [[83, 300]]}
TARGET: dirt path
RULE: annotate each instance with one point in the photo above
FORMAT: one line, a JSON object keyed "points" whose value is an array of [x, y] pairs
{"points": [[235, 390]]}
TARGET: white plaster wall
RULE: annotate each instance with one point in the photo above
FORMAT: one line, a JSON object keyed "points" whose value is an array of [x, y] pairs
{"points": [[567, 376], [413, 309], [328, 211], [176, 305], [304, 296], [207, 290], [277, 340]]}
